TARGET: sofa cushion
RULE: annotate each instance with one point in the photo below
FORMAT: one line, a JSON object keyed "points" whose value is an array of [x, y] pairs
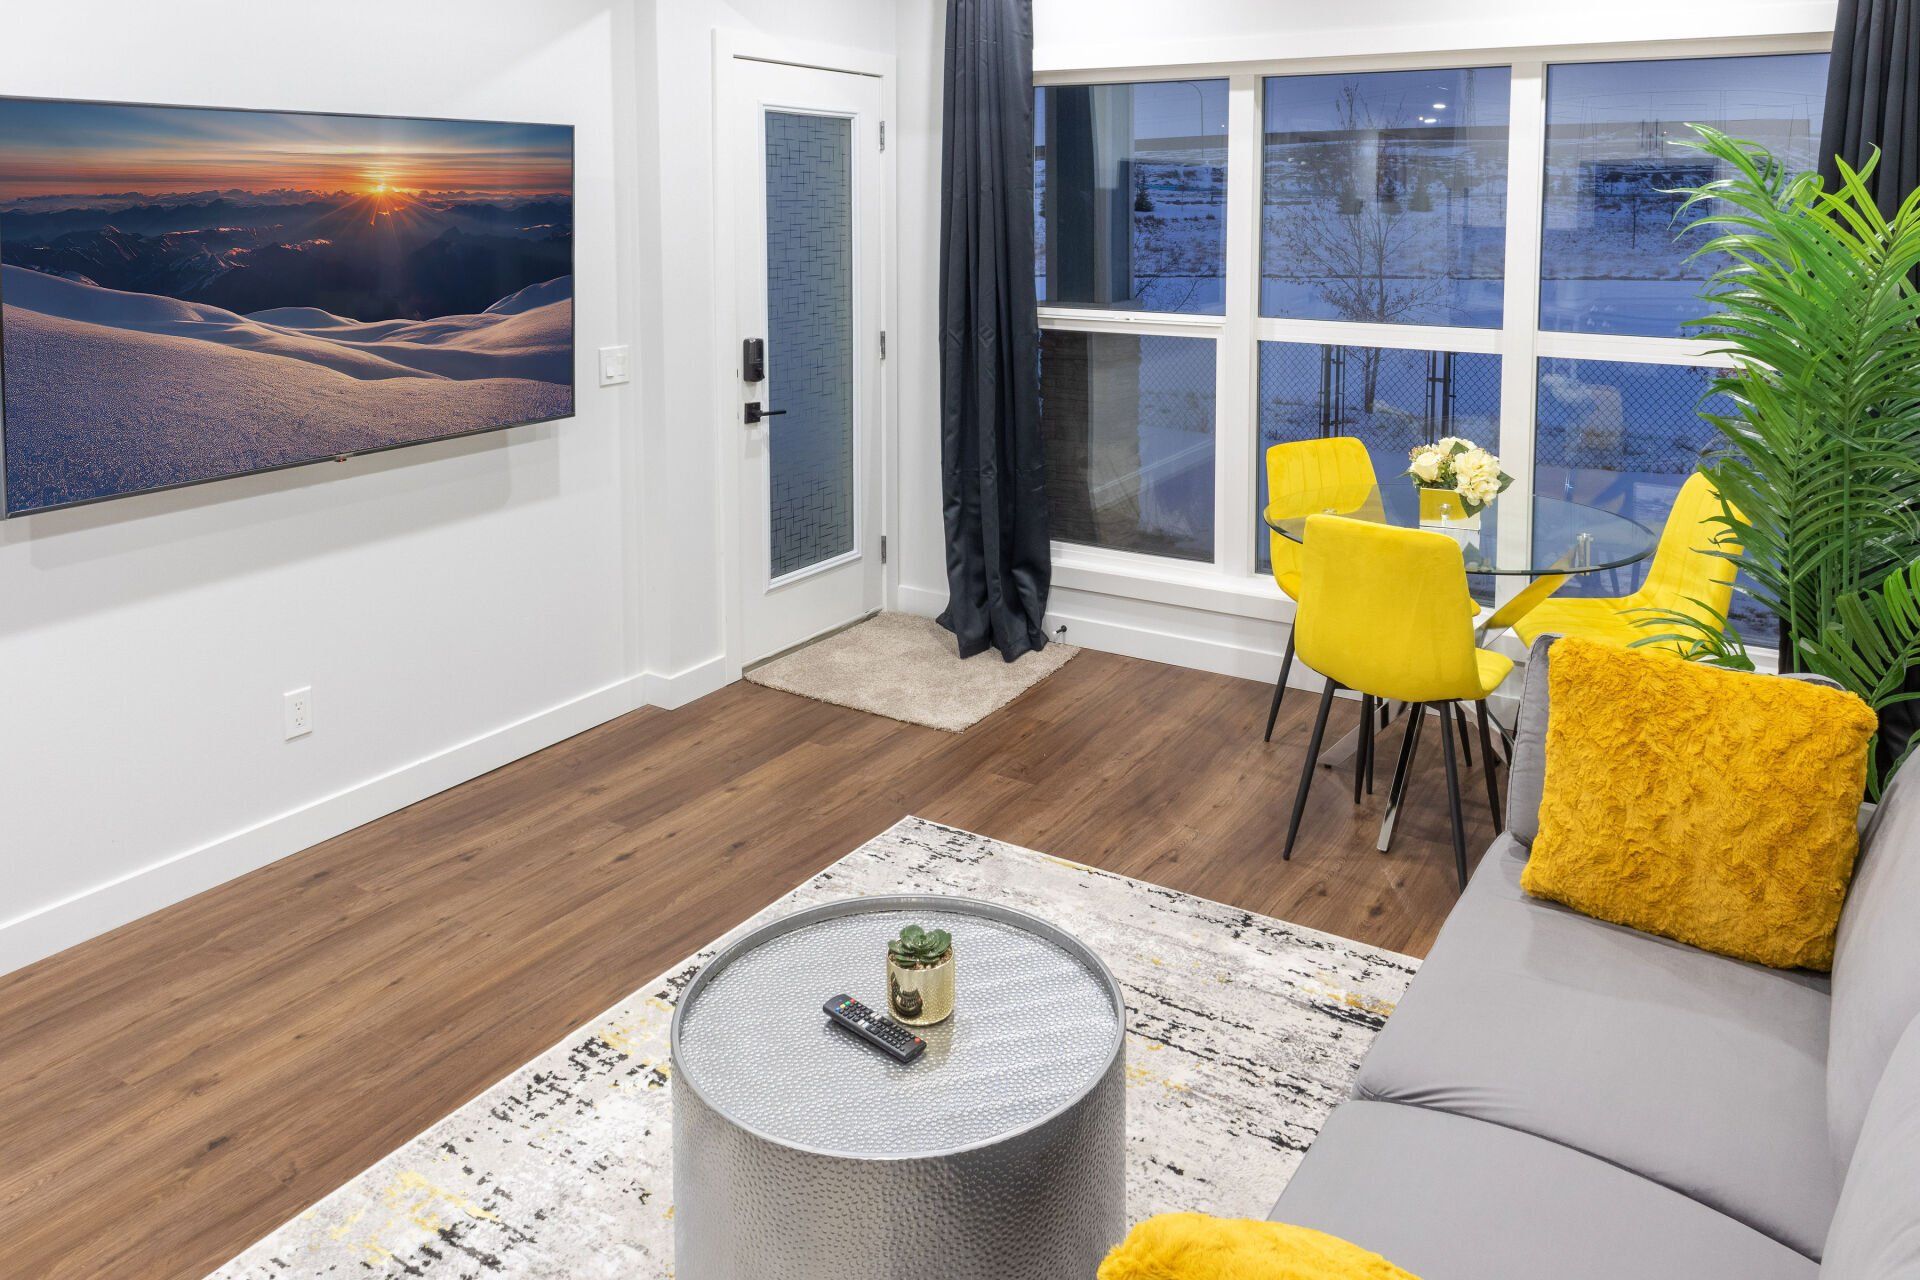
{"points": [[1194, 1246], [1449, 1198], [1742, 843], [1527, 771], [1876, 963], [1876, 1229], [1705, 1074]]}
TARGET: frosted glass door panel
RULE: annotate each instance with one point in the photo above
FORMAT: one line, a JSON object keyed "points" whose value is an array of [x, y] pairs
{"points": [[810, 373]]}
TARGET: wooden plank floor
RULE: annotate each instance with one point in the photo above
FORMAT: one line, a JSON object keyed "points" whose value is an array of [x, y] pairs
{"points": [[175, 1089]]}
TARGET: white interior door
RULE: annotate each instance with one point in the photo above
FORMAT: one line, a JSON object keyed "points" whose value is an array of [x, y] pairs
{"points": [[810, 233]]}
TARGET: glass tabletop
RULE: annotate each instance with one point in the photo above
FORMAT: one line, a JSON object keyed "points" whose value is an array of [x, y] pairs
{"points": [[1568, 537]]}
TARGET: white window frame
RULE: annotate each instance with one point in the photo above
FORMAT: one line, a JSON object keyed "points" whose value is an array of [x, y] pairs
{"points": [[1230, 583]]}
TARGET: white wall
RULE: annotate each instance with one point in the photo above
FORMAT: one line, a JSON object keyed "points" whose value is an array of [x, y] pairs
{"points": [[453, 605], [922, 529]]}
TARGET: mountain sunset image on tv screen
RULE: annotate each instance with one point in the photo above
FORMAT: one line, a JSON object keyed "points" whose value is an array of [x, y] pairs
{"points": [[190, 293]]}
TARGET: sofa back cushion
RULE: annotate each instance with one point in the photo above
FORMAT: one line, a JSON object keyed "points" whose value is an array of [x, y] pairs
{"points": [[1527, 771], [1876, 962], [1876, 1227]]}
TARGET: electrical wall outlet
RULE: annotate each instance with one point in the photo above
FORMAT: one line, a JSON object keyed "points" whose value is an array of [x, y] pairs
{"points": [[297, 710], [616, 366]]}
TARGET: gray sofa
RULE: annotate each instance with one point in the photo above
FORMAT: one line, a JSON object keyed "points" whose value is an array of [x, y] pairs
{"points": [[1557, 1097]]}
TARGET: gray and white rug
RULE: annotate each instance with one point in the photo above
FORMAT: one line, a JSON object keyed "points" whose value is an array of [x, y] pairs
{"points": [[908, 668], [1243, 1033]]}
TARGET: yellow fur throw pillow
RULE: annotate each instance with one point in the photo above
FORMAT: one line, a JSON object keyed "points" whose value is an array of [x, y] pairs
{"points": [[1192, 1246], [1714, 807]]}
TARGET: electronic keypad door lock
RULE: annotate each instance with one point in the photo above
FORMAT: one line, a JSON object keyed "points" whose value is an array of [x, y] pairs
{"points": [[756, 413], [753, 360]]}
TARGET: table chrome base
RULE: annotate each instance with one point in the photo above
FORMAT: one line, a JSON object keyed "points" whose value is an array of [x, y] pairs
{"points": [[1039, 1205]]}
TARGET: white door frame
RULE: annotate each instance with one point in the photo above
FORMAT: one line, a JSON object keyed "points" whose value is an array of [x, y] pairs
{"points": [[730, 47]]}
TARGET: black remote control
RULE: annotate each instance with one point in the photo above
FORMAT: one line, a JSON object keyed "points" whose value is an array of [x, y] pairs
{"points": [[883, 1034]]}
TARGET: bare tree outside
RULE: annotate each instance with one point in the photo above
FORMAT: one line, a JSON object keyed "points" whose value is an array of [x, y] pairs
{"points": [[1363, 239]]}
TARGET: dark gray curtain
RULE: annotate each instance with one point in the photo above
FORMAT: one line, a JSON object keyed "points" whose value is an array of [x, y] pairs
{"points": [[1873, 96], [992, 469]]}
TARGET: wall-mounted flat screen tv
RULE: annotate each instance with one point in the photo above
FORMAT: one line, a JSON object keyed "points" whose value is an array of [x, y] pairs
{"points": [[191, 293]]}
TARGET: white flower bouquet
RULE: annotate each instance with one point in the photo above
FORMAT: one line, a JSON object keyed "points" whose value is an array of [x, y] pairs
{"points": [[1459, 466]]}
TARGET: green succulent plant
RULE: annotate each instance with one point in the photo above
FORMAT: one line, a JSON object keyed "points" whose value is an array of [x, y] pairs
{"points": [[919, 947]]}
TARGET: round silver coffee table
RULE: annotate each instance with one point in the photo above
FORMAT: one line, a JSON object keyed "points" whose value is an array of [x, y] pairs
{"points": [[803, 1154]]}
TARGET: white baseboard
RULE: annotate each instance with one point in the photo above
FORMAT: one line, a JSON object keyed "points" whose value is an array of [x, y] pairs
{"points": [[46, 930], [682, 687], [924, 601], [1223, 653], [1206, 640]]}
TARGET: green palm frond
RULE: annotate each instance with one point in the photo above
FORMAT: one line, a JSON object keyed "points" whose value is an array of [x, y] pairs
{"points": [[1702, 634], [1872, 642], [1818, 316], [1816, 312]]}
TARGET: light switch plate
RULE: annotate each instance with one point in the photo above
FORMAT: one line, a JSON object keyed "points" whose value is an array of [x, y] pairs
{"points": [[616, 365]]}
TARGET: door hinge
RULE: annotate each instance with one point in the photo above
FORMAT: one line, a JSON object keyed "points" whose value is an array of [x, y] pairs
{"points": [[883, 135], [883, 548], [883, 344]]}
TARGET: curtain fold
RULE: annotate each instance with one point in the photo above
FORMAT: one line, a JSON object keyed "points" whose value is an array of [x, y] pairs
{"points": [[1873, 96], [993, 472]]}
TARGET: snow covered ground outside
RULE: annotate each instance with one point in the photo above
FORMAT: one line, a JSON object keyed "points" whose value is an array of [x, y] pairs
{"points": [[109, 392]]}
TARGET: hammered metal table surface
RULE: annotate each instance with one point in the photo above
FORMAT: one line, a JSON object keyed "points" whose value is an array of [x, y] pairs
{"points": [[1000, 1151]]}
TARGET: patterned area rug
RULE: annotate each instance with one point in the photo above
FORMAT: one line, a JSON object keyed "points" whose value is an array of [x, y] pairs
{"points": [[1243, 1033], [908, 668]]}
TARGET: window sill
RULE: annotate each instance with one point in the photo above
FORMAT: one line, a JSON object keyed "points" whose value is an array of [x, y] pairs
{"points": [[1189, 586]]}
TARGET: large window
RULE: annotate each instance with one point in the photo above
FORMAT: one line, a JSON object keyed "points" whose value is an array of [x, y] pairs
{"points": [[1384, 197], [1392, 399], [1130, 195], [1615, 257], [1492, 252], [1129, 440]]}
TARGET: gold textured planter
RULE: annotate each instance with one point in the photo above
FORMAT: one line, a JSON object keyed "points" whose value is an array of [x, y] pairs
{"points": [[1445, 509], [920, 995]]}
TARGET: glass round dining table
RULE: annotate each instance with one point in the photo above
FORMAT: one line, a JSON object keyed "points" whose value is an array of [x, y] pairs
{"points": [[1568, 537]]}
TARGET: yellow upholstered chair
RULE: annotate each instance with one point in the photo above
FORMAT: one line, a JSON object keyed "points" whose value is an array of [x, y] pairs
{"points": [[1380, 614], [1682, 572], [1305, 477]]}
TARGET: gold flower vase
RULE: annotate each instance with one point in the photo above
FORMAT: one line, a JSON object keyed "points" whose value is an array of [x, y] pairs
{"points": [[1446, 509], [920, 995]]}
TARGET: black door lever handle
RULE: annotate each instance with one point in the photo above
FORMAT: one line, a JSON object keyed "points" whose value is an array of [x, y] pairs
{"points": [[756, 413]]}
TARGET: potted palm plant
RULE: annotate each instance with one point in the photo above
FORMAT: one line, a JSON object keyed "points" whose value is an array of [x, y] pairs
{"points": [[1816, 310]]}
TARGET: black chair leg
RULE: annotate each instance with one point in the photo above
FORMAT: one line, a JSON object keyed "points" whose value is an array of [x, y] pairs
{"points": [[1487, 761], [1373, 733], [1306, 774], [1460, 719], [1453, 807], [1280, 685], [1365, 743], [1416, 716], [1402, 773]]}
